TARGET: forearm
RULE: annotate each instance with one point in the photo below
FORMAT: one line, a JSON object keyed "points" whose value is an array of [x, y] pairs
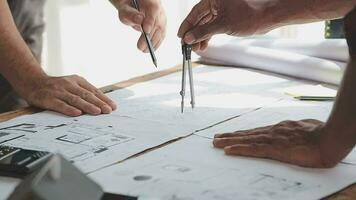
{"points": [[342, 121], [339, 136], [285, 12], [17, 61]]}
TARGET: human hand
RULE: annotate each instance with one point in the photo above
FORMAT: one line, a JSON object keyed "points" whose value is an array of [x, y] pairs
{"points": [[151, 16], [70, 95], [234, 17], [295, 142]]}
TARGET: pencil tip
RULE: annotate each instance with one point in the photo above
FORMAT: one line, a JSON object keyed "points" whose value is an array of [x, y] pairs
{"points": [[155, 63]]}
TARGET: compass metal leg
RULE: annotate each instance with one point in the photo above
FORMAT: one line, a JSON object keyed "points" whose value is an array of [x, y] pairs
{"points": [[182, 92], [191, 84]]}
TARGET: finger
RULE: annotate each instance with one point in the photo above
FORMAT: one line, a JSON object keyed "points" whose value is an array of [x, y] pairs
{"points": [[253, 150], [90, 98], [156, 37], [275, 140], [202, 32], [255, 131], [130, 16], [62, 107], [201, 46], [152, 11], [207, 19], [79, 103], [160, 41], [198, 12], [223, 142], [196, 46], [141, 43], [137, 28], [99, 94], [204, 45], [311, 121]]}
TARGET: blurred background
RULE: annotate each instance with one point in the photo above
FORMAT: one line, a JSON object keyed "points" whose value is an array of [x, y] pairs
{"points": [[85, 37]]}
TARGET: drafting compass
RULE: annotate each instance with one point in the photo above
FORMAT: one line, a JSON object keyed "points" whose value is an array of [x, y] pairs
{"points": [[187, 52]]}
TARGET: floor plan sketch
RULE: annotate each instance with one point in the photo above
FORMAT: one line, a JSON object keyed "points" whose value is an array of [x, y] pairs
{"points": [[90, 143], [191, 169], [144, 119], [182, 163], [195, 181]]}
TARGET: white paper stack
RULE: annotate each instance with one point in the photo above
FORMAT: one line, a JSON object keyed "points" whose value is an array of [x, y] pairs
{"points": [[322, 61]]}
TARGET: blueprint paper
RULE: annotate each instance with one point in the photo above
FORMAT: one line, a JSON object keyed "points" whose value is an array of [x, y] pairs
{"points": [[277, 61], [90, 142], [193, 169], [286, 109], [221, 93], [148, 115]]}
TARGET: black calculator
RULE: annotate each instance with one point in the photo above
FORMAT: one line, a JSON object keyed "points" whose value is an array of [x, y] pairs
{"points": [[17, 162]]}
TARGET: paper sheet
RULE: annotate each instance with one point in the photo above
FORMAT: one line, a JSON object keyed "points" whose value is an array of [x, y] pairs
{"points": [[277, 61], [221, 93], [148, 115], [329, 49], [193, 169], [89, 142], [286, 109]]}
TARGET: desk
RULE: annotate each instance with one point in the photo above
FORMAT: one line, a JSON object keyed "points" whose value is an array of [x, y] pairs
{"points": [[348, 193]]}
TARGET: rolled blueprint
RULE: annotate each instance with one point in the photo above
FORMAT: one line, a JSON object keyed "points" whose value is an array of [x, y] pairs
{"points": [[277, 61], [330, 49]]}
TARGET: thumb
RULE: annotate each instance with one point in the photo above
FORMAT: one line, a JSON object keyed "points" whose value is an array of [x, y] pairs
{"points": [[203, 32], [130, 16]]}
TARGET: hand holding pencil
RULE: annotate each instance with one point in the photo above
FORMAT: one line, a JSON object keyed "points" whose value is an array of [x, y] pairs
{"points": [[150, 17]]}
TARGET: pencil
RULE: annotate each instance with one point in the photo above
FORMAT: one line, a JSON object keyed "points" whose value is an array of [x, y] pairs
{"points": [[148, 40]]}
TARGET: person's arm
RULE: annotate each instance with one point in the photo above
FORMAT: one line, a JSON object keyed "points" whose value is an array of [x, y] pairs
{"points": [[151, 16], [308, 143], [341, 124], [71, 95], [249, 17]]}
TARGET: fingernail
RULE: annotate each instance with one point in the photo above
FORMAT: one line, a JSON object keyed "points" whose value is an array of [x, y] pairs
{"points": [[215, 142], [106, 109], [96, 111], [227, 150], [189, 38], [113, 105], [142, 47], [138, 19], [217, 135], [77, 112], [148, 29]]}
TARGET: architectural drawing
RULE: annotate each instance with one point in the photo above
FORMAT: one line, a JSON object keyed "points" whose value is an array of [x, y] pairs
{"points": [[85, 140], [89, 142], [191, 169]]}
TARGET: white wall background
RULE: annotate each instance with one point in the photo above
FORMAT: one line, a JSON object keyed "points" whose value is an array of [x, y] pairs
{"points": [[85, 37]]}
